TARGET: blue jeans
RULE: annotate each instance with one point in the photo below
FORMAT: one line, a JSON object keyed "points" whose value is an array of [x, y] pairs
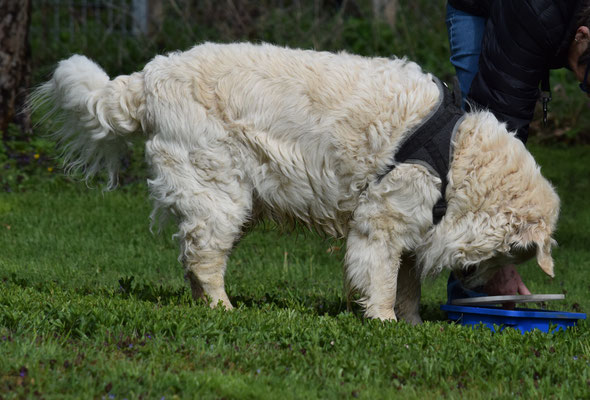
{"points": [[456, 290], [465, 34]]}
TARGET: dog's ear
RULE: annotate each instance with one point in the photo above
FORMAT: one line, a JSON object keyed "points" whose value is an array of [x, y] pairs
{"points": [[538, 235], [544, 258]]}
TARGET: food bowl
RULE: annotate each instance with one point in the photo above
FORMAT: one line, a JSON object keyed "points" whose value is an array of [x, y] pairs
{"points": [[477, 310]]}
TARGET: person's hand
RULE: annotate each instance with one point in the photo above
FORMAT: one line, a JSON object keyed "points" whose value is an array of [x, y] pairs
{"points": [[506, 282]]}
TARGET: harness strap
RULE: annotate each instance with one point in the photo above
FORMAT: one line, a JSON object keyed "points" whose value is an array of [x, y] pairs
{"points": [[430, 143]]}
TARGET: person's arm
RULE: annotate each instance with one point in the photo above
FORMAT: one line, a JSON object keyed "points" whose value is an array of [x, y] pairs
{"points": [[506, 281]]}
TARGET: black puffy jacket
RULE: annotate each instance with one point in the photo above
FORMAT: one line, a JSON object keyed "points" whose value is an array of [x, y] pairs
{"points": [[475, 7], [523, 39]]}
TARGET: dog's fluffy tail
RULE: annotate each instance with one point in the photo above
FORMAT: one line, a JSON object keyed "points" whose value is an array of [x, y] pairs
{"points": [[96, 114]]}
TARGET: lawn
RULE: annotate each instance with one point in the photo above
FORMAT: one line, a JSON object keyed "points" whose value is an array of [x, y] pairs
{"points": [[93, 305]]}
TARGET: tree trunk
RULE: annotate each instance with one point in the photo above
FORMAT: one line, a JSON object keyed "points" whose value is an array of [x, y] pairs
{"points": [[386, 10], [156, 17], [15, 68], [147, 17]]}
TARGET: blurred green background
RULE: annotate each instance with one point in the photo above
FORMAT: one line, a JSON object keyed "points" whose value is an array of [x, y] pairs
{"points": [[123, 35]]}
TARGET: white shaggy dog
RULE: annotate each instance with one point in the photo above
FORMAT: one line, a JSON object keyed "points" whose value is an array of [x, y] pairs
{"points": [[239, 132]]}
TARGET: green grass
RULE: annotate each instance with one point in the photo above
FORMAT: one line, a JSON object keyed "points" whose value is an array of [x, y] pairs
{"points": [[92, 305]]}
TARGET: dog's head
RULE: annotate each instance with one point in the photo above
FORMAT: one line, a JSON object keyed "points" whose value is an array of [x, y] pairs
{"points": [[500, 210]]}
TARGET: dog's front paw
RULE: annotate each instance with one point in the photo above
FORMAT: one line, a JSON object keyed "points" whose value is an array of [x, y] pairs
{"points": [[382, 313], [221, 304], [413, 319]]}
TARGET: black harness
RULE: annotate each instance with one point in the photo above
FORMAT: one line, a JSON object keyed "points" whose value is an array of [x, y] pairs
{"points": [[430, 144]]}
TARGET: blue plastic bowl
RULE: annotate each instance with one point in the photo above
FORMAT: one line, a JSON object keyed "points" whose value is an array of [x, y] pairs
{"points": [[520, 318]]}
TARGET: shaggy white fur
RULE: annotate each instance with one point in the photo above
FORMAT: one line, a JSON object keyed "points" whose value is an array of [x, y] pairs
{"points": [[238, 132]]}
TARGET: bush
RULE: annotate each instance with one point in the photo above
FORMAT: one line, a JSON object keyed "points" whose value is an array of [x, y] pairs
{"points": [[24, 157]]}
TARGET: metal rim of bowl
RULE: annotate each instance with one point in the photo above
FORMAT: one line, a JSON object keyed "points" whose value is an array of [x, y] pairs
{"points": [[526, 298]]}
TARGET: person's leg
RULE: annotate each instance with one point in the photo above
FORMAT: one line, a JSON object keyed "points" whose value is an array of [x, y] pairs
{"points": [[456, 290], [465, 34]]}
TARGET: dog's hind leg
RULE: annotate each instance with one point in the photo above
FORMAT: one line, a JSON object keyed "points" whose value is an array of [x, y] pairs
{"points": [[211, 203], [207, 236], [206, 276]]}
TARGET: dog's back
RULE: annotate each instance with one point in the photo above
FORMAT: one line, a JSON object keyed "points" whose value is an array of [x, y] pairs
{"points": [[308, 129]]}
